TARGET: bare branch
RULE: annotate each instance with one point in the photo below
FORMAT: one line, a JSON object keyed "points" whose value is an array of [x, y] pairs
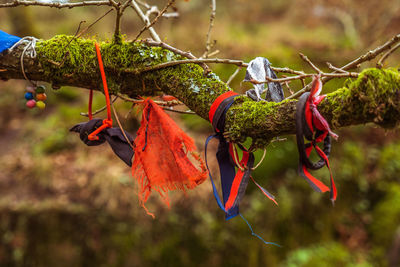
{"points": [[372, 54], [355, 63], [212, 17], [180, 111], [246, 118], [291, 78], [132, 145], [150, 42], [233, 75], [330, 66], [170, 2], [186, 61], [161, 103], [120, 11], [16, 3], [386, 55], [308, 61], [145, 20], [283, 70], [85, 114], [175, 50]]}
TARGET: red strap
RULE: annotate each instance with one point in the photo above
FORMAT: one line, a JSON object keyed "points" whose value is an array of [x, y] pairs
{"points": [[218, 102], [236, 182], [333, 187], [317, 184], [265, 192], [107, 123], [90, 104], [309, 115]]}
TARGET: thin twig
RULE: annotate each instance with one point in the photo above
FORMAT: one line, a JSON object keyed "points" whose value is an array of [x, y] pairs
{"points": [[233, 75], [145, 20], [308, 61], [291, 78], [303, 82], [155, 10], [283, 70], [93, 23], [330, 66], [161, 103], [175, 50], [151, 42], [99, 110], [213, 53], [212, 17], [189, 55], [130, 111], [170, 2], [122, 129], [288, 87], [180, 111], [186, 61], [372, 54], [278, 139], [355, 63], [117, 24], [120, 11], [77, 35], [386, 55], [55, 4]]}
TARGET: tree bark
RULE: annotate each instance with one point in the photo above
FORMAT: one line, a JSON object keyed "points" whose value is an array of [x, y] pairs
{"points": [[373, 97]]}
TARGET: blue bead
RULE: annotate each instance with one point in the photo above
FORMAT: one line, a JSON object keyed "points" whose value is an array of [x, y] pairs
{"points": [[28, 96]]}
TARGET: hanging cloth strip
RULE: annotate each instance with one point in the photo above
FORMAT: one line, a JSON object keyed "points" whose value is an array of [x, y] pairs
{"points": [[162, 153], [313, 126], [233, 183], [97, 131]]}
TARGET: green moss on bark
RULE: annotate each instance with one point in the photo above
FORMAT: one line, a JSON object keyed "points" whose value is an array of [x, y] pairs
{"points": [[121, 61], [373, 97]]}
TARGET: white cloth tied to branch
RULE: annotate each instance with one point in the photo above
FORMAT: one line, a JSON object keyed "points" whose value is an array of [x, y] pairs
{"points": [[258, 69]]}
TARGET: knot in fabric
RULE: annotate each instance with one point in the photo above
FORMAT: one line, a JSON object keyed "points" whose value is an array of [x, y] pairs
{"points": [[113, 136], [314, 127]]}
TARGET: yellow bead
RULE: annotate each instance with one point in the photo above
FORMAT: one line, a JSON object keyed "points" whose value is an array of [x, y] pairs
{"points": [[40, 104]]}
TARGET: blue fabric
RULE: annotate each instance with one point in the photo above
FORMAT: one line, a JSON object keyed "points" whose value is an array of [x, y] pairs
{"points": [[227, 172], [227, 168], [7, 40], [215, 190]]}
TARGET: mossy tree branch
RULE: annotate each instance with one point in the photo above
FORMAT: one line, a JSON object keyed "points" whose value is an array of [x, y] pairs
{"points": [[373, 97]]}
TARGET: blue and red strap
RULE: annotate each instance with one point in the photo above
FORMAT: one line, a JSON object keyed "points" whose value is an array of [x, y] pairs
{"points": [[233, 183], [313, 126]]}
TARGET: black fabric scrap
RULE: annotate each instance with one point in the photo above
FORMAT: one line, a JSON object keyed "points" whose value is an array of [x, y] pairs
{"points": [[113, 136]]}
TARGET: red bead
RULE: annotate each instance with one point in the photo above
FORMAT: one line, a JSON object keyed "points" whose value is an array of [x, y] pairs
{"points": [[31, 103]]}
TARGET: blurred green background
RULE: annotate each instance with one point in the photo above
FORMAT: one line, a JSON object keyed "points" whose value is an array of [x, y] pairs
{"points": [[65, 204]]}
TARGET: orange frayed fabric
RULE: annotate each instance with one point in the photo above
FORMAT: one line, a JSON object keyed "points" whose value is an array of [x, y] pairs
{"points": [[162, 156]]}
